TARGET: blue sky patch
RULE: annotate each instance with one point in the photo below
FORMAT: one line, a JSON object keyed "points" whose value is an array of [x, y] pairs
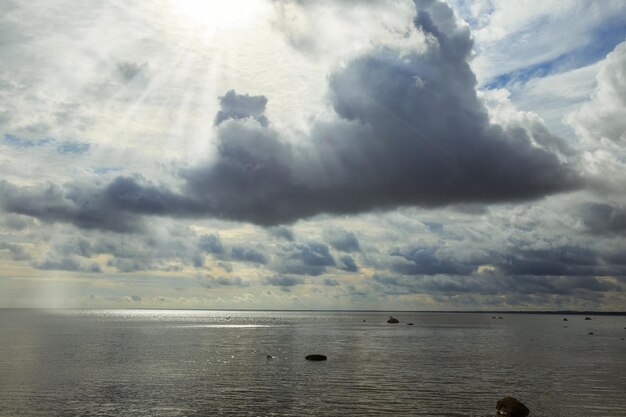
{"points": [[603, 41], [75, 148], [18, 142]]}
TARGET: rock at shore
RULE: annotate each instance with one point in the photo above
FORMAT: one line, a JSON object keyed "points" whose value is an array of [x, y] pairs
{"points": [[315, 357], [510, 407], [392, 320]]}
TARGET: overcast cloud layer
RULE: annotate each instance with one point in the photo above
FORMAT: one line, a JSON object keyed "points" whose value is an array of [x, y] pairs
{"points": [[385, 176]]}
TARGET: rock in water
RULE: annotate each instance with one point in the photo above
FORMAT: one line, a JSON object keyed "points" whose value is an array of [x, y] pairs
{"points": [[392, 320], [510, 407], [315, 357]]}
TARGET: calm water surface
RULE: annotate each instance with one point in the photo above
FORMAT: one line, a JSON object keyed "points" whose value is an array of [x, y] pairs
{"points": [[205, 363]]}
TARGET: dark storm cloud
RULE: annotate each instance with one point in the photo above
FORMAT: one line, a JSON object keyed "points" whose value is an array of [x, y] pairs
{"points": [[603, 218], [84, 207], [566, 260], [342, 240], [563, 260], [410, 130]]}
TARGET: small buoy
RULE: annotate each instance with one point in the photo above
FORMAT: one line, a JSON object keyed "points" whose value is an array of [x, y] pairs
{"points": [[315, 357]]}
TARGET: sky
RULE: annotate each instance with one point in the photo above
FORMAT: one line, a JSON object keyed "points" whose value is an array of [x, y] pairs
{"points": [[258, 154]]}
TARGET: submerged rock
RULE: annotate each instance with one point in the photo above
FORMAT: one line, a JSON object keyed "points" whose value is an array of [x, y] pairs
{"points": [[392, 320], [315, 357], [511, 407]]}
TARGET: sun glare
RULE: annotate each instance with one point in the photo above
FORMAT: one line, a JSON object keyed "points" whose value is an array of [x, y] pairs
{"points": [[216, 15]]}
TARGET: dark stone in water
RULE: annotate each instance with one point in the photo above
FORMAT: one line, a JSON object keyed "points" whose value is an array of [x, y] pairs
{"points": [[565, 319], [511, 407], [316, 357], [392, 320]]}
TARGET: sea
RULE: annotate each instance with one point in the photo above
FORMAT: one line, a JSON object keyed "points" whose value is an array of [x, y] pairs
{"points": [[252, 363]]}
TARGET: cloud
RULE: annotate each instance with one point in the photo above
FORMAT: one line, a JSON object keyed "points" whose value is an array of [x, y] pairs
{"points": [[209, 281], [342, 240], [211, 244], [304, 259], [604, 116], [241, 106], [494, 285], [15, 141], [603, 218], [80, 205], [284, 281], [68, 264], [17, 252], [428, 261], [282, 232], [74, 148], [241, 253], [410, 131], [348, 264]]}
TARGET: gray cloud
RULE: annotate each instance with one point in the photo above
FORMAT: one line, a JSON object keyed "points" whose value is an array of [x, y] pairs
{"points": [[342, 240], [603, 218], [282, 232], [209, 281], [488, 284], [428, 261], [68, 264], [241, 106], [304, 259], [283, 281], [241, 253], [348, 264], [604, 116], [410, 130], [17, 252], [211, 244]]}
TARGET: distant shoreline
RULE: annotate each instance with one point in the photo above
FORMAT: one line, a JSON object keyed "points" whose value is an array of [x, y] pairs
{"points": [[547, 312]]}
